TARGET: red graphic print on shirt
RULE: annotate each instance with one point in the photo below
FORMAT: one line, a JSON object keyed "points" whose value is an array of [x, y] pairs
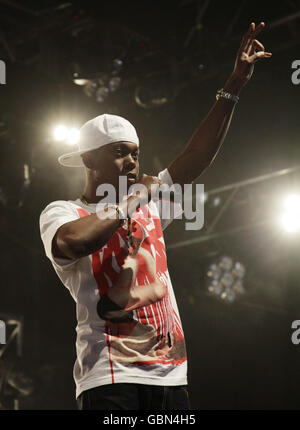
{"points": [[142, 327]]}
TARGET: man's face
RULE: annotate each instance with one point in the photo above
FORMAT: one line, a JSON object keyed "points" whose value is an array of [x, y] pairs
{"points": [[113, 160]]}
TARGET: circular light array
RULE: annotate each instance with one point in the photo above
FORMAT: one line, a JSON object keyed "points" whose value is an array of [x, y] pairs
{"points": [[226, 279], [100, 87]]}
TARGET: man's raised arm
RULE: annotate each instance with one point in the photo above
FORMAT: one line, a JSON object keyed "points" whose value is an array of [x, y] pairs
{"points": [[208, 137]]}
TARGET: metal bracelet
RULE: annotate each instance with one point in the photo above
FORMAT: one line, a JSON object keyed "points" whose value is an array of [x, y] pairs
{"points": [[121, 213], [223, 94]]}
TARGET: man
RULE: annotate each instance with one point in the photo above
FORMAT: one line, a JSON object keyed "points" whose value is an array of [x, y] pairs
{"points": [[130, 343]]}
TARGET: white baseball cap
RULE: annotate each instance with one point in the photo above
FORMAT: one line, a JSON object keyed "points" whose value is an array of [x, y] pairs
{"points": [[97, 132]]}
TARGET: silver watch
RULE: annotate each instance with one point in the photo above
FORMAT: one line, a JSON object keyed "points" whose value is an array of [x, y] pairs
{"points": [[225, 95], [121, 213]]}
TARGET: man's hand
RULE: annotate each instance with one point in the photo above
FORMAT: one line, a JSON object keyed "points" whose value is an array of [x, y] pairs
{"points": [[209, 136], [249, 52]]}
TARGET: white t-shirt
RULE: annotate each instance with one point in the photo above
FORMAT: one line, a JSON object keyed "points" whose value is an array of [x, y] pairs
{"points": [[148, 347]]}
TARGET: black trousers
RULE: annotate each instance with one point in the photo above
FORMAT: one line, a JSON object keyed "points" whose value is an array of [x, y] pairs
{"points": [[124, 396]]}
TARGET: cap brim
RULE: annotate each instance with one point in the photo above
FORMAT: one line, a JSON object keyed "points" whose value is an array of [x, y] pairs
{"points": [[72, 159]]}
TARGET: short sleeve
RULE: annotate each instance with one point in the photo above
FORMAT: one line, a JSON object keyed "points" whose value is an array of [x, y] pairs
{"points": [[52, 217], [173, 209]]}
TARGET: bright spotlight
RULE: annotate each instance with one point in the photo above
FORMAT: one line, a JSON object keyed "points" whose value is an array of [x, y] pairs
{"points": [[80, 82], [73, 136], [60, 132], [292, 203], [291, 222], [290, 219], [65, 134]]}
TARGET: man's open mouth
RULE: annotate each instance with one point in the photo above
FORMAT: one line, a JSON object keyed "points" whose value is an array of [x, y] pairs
{"points": [[131, 177]]}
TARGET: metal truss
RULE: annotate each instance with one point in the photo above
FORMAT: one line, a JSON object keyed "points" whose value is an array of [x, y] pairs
{"points": [[229, 192], [15, 335]]}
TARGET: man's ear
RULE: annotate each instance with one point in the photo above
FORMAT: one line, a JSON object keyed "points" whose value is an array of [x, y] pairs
{"points": [[87, 160]]}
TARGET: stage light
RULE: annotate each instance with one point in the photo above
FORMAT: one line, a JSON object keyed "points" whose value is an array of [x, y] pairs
{"points": [[90, 88], [117, 63], [101, 94], [153, 96], [228, 295], [226, 263], [226, 279], [214, 271], [215, 287], [73, 136], [60, 132], [292, 203], [80, 82], [65, 134], [290, 222], [239, 270], [99, 85], [114, 83], [290, 219]]}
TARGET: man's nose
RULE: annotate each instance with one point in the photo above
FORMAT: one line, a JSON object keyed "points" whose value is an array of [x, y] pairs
{"points": [[129, 161]]}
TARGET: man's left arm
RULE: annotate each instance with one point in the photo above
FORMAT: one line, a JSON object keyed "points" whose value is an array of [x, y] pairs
{"points": [[209, 136]]}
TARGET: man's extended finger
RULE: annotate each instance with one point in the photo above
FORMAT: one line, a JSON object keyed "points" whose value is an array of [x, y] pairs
{"points": [[258, 29], [247, 37], [255, 31]]}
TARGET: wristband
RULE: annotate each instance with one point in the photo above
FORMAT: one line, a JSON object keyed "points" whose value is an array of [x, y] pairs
{"points": [[223, 94], [121, 213]]}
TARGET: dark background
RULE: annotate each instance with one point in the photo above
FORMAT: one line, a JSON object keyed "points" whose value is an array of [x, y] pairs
{"points": [[240, 354]]}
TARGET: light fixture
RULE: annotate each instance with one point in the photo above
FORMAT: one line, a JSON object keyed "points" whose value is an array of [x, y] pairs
{"points": [[225, 279], [290, 218], [69, 135], [99, 85], [114, 83], [60, 132], [90, 88], [150, 97], [117, 63], [80, 82], [101, 94]]}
